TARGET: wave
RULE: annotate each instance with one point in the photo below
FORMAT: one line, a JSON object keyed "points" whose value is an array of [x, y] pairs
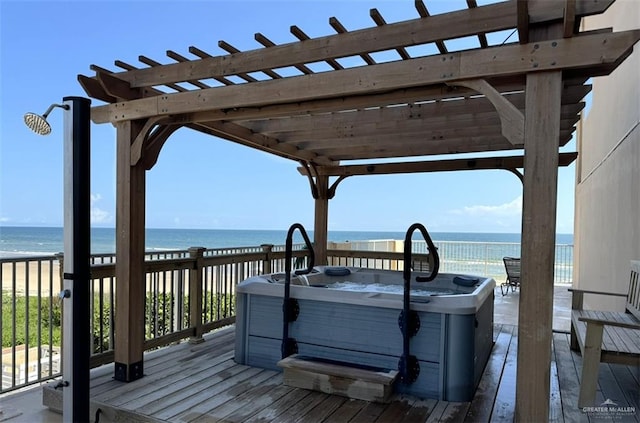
{"points": [[23, 254]]}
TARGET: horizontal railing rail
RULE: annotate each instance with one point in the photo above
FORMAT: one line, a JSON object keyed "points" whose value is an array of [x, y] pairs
{"points": [[464, 257], [384, 260], [188, 293]]}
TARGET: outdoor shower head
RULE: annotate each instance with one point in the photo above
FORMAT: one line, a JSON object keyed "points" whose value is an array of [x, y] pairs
{"points": [[39, 124]]}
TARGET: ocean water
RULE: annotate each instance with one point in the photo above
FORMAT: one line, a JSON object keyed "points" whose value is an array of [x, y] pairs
{"points": [[22, 241]]}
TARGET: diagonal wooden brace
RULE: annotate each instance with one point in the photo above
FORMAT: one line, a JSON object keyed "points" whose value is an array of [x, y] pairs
{"points": [[512, 120], [138, 143]]}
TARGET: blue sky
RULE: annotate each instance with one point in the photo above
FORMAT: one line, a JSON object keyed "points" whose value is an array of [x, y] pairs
{"points": [[201, 181]]}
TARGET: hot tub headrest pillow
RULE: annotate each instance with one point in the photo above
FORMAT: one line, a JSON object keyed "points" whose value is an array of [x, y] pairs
{"points": [[337, 271], [465, 281]]}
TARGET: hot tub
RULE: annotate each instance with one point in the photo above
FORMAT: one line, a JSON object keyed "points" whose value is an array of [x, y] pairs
{"points": [[354, 319]]}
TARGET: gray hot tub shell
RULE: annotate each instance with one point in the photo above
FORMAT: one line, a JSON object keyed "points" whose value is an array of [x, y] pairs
{"points": [[360, 326]]}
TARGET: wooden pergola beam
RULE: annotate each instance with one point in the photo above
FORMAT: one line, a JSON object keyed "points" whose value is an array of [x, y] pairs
{"points": [[94, 89], [322, 127], [482, 37], [523, 21], [543, 11], [340, 29], [462, 23], [410, 133], [569, 22], [262, 39], [434, 111], [408, 146], [483, 163], [424, 13], [242, 135], [380, 21], [117, 87], [400, 96], [595, 50]]}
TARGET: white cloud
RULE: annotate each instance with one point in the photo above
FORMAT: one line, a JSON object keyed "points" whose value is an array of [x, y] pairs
{"points": [[513, 208], [100, 216], [506, 217], [97, 214], [4, 219]]}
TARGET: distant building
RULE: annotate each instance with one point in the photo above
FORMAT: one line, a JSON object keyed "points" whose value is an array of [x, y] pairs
{"points": [[607, 210]]}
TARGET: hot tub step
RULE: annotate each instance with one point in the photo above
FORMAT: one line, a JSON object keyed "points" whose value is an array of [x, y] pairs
{"points": [[339, 378]]}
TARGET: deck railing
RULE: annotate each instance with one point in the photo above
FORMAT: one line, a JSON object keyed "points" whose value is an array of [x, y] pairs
{"points": [[188, 293], [465, 257]]}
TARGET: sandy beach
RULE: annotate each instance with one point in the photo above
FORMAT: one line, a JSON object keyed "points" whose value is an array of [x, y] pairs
{"points": [[35, 278]]}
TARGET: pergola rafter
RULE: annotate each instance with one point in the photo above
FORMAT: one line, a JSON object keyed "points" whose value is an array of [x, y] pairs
{"points": [[526, 94]]}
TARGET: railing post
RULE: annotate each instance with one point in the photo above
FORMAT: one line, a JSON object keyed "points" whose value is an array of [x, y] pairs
{"points": [[195, 294], [60, 257], [266, 262]]}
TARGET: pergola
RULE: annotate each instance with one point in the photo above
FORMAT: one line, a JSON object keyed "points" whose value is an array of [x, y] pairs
{"points": [[512, 96]]}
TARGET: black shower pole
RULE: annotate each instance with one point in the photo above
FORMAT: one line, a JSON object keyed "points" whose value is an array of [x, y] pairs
{"points": [[77, 250]]}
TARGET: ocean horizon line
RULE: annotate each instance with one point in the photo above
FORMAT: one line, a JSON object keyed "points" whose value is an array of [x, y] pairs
{"points": [[282, 229], [39, 240]]}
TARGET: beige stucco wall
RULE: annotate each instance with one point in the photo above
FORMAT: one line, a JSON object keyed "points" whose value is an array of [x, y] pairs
{"points": [[607, 210]]}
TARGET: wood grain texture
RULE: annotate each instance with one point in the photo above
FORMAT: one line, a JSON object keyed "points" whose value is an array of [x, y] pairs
{"points": [[197, 383]]}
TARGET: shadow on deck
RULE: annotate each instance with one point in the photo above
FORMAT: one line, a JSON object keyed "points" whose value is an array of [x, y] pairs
{"points": [[202, 383]]}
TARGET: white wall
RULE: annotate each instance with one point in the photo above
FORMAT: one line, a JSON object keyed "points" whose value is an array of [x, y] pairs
{"points": [[607, 211]]}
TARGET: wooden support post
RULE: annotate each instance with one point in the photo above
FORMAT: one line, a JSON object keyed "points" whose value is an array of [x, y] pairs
{"points": [[320, 226], [542, 131], [266, 262], [195, 295], [130, 239]]}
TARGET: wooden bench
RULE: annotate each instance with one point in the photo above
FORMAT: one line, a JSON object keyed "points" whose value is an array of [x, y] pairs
{"points": [[605, 336]]}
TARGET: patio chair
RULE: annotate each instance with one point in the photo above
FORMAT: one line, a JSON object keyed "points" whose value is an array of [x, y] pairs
{"points": [[512, 266]]}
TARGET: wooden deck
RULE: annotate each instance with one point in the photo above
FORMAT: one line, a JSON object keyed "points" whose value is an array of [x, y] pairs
{"points": [[202, 383]]}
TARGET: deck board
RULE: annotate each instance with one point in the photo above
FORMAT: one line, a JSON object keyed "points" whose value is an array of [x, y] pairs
{"points": [[242, 399], [324, 409], [483, 400], [437, 412], [628, 383], [157, 390], [279, 406], [346, 412], [201, 383], [568, 374], [243, 406], [369, 413], [397, 409], [555, 400], [301, 408], [455, 412], [419, 411], [504, 405], [214, 391]]}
